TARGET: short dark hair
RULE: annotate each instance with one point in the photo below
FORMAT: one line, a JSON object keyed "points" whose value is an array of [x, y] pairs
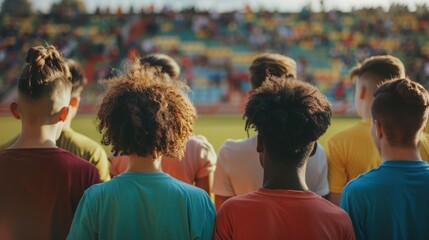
{"points": [[78, 78], [167, 64], [271, 64], [401, 107], [143, 113], [288, 115], [384, 66]]}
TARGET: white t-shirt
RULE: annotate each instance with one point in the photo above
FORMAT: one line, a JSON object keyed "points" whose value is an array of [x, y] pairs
{"points": [[238, 170]]}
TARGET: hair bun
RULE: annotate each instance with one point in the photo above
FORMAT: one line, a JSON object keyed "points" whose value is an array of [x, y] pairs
{"points": [[36, 56], [412, 93]]}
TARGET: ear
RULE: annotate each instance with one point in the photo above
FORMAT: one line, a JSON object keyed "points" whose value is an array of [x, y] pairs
{"points": [[362, 93], [74, 101], [13, 107], [378, 129], [63, 113], [259, 144], [314, 149]]}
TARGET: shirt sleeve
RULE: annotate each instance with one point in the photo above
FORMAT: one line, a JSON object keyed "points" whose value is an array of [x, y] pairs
{"points": [[222, 183], [101, 162], [321, 184], [223, 229], [207, 158], [336, 170], [84, 221], [209, 220]]}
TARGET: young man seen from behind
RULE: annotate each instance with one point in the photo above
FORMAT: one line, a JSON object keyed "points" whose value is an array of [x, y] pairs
{"points": [[290, 116], [238, 170], [72, 141], [144, 116], [41, 184], [199, 160], [391, 201], [352, 152]]}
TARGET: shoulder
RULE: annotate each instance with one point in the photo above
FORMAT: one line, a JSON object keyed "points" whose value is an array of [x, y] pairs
{"points": [[74, 162], [357, 129], [363, 182], [319, 156], [82, 146], [239, 145], [78, 139], [76, 159], [199, 142], [236, 151], [188, 188], [331, 211], [192, 195], [70, 157], [242, 202], [97, 192]]}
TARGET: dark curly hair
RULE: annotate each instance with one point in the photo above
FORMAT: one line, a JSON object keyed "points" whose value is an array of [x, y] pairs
{"points": [[44, 74], [289, 116], [144, 113], [401, 107]]}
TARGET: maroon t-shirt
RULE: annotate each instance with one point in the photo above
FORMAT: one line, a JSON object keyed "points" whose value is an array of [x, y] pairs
{"points": [[40, 189]]}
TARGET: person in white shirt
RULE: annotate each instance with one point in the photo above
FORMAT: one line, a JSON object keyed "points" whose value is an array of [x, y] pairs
{"points": [[238, 170]]}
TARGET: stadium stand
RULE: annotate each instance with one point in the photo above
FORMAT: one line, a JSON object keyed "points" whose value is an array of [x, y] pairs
{"points": [[214, 49]]}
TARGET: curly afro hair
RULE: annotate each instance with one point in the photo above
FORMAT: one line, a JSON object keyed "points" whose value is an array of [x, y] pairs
{"points": [[289, 116], [143, 112]]}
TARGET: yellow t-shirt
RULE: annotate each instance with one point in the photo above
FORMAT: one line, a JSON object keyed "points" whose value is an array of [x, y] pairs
{"points": [[352, 152]]}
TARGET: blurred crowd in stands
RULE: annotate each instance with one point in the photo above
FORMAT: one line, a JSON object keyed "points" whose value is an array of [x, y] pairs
{"points": [[215, 49]]}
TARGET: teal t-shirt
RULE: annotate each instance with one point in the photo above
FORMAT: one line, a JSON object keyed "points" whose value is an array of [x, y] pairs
{"points": [[390, 202], [144, 206]]}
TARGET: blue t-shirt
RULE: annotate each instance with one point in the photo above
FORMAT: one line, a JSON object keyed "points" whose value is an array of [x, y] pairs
{"points": [[144, 206], [390, 202]]}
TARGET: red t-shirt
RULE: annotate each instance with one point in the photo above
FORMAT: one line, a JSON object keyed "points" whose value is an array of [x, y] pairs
{"points": [[282, 214], [40, 189]]}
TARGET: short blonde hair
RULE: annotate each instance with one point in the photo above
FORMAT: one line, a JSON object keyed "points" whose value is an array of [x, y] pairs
{"points": [[271, 64]]}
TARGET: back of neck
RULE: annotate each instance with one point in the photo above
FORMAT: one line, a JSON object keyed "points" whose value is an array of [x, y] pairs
{"points": [[286, 177]]}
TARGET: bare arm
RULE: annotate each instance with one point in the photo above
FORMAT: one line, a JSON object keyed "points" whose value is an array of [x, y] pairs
{"points": [[334, 198], [219, 200], [206, 183]]}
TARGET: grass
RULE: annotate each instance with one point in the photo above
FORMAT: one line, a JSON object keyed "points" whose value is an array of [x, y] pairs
{"points": [[216, 128]]}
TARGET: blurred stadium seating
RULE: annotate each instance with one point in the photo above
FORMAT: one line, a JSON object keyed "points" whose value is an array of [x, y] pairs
{"points": [[215, 49]]}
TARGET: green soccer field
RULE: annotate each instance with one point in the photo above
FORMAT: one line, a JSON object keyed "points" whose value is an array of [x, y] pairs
{"points": [[216, 128]]}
